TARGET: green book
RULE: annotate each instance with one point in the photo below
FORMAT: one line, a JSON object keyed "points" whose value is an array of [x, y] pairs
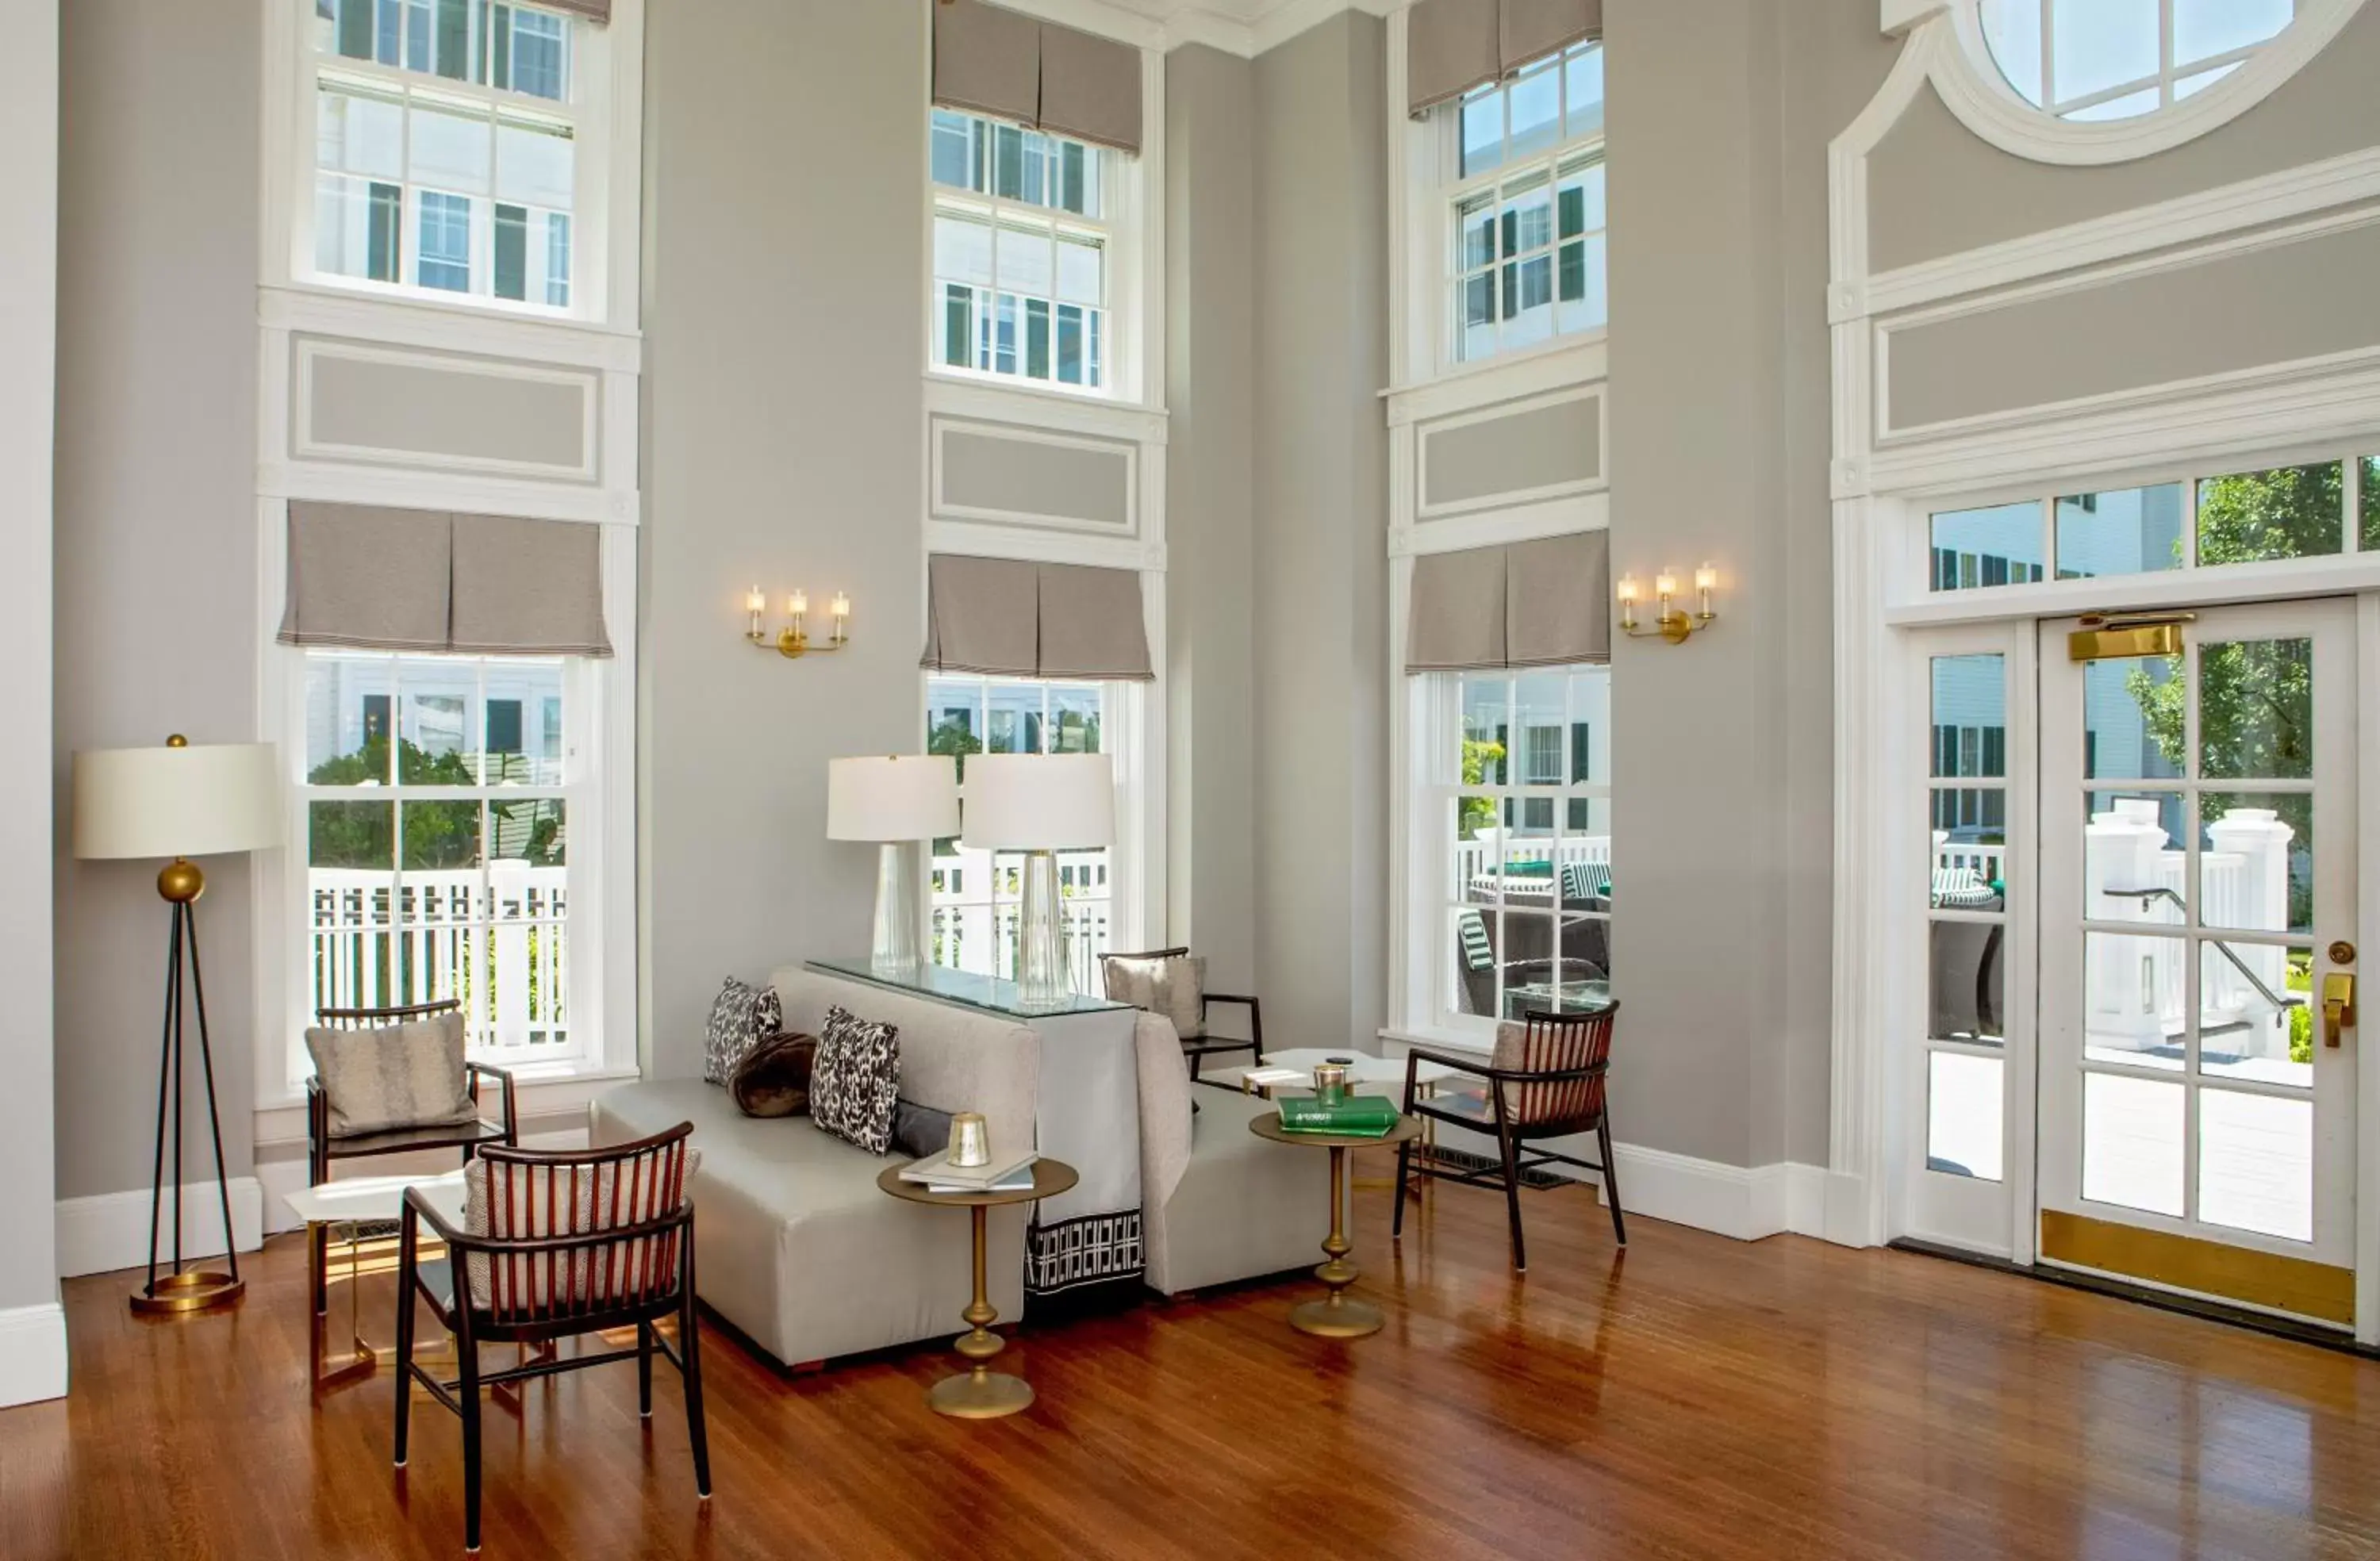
{"points": [[1358, 1116]]}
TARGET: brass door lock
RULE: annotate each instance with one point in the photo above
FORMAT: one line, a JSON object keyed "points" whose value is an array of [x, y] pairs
{"points": [[2338, 1005]]}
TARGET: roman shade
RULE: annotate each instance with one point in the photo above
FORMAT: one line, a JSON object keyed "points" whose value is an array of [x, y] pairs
{"points": [[367, 577], [1009, 618], [1545, 604], [1454, 45], [593, 10], [1003, 65]]}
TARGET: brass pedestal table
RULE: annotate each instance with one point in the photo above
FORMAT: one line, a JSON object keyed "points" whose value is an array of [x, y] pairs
{"points": [[981, 1393], [1335, 1316]]}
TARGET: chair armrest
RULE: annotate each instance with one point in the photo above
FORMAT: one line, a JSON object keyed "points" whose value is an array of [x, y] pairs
{"points": [[1455, 1060], [417, 1204], [503, 1077], [1255, 1014]]}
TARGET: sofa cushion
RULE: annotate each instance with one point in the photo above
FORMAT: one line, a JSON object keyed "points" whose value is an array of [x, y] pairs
{"points": [[774, 1079], [741, 1018], [856, 1080], [398, 1076], [951, 1058], [919, 1131]]}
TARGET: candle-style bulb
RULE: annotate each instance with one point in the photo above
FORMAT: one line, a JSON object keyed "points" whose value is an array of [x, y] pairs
{"points": [[1665, 584], [798, 603], [1707, 579], [757, 600], [841, 605], [1628, 587]]}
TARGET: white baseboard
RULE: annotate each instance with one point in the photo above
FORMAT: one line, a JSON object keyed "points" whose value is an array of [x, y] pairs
{"points": [[100, 1234], [32, 1354], [281, 1177]]}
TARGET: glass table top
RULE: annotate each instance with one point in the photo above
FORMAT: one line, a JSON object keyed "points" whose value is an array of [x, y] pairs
{"points": [[964, 988]]}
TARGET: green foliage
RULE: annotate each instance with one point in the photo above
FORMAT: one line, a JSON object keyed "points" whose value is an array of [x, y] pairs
{"points": [[2292, 513], [1480, 759], [437, 834]]}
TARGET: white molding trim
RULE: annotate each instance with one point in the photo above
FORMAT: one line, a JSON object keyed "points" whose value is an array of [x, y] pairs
{"points": [[1959, 63], [109, 1231], [1581, 360], [1744, 1203], [940, 506], [402, 320], [306, 350], [32, 1354], [1496, 528], [1425, 512]]}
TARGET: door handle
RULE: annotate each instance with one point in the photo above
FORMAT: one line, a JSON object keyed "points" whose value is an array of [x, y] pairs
{"points": [[2338, 1005]]}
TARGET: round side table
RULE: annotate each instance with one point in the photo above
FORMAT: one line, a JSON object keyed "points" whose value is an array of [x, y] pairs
{"points": [[981, 1393], [1335, 1316]]}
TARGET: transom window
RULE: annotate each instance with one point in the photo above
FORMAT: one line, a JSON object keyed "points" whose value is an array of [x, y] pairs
{"points": [[976, 896], [2115, 59], [1023, 242], [438, 810], [447, 135], [1527, 238], [1521, 766]]}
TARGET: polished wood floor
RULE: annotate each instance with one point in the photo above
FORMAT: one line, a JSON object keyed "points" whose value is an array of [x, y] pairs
{"points": [[1698, 1397]]}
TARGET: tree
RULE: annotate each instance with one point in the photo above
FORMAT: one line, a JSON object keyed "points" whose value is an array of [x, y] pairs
{"points": [[437, 834]]}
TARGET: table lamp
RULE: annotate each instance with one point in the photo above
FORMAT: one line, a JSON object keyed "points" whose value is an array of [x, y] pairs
{"points": [[179, 802], [899, 802], [1040, 804]]}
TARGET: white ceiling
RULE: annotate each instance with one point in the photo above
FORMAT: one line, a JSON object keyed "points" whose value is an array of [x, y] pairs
{"points": [[1242, 26]]}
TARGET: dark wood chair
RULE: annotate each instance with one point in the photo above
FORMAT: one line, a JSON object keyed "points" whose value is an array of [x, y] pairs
{"points": [[1545, 1080], [579, 1241], [1208, 1044], [322, 1151]]}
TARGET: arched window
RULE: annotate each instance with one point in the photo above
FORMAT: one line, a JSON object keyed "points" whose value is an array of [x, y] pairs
{"points": [[2117, 59]]}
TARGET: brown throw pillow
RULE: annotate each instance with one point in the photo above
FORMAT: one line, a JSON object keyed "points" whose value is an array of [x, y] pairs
{"points": [[773, 1079]]}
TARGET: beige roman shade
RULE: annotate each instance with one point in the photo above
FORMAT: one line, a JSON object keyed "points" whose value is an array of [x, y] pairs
{"points": [[1454, 45], [593, 10], [1001, 64], [367, 577], [1546, 603], [1007, 618]]}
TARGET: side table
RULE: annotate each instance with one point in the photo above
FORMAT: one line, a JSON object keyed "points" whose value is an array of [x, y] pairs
{"points": [[1335, 1316], [981, 1393], [351, 1210], [1384, 1074]]}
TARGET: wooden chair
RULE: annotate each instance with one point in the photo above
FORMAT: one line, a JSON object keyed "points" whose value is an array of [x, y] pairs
{"points": [[1478, 961], [1545, 1081], [322, 1151], [578, 1242], [1207, 1043]]}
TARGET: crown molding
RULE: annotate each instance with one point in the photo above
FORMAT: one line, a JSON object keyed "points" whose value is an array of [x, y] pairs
{"points": [[1244, 28]]}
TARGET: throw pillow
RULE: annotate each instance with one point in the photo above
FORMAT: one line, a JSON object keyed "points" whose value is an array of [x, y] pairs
{"points": [[856, 1080], [1173, 985], [774, 1079], [403, 1076], [741, 1019], [919, 1131]]}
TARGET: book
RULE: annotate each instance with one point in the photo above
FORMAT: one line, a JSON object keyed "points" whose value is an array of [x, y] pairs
{"points": [[937, 1172], [1276, 1078], [1367, 1116], [1348, 1130], [1017, 1180]]}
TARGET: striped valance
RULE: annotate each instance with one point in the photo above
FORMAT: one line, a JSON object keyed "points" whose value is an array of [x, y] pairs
{"points": [[1003, 617], [993, 61], [364, 576], [1546, 603], [1454, 45]]}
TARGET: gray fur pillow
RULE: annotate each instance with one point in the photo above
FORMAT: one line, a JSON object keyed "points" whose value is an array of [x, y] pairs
{"points": [[856, 1080], [741, 1019]]}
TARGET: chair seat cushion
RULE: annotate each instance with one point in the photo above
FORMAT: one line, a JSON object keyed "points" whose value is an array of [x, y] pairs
{"points": [[397, 1141], [395, 1076]]}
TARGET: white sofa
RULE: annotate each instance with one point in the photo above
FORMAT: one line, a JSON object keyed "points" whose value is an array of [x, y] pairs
{"points": [[794, 1243]]}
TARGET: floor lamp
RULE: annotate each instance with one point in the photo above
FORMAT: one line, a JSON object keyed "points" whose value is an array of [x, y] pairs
{"points": [[180, 801], [1040, 804]]}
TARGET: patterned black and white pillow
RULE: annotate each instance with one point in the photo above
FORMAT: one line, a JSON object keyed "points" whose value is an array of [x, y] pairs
{"points": [[741, 1019], [856, 1080]]}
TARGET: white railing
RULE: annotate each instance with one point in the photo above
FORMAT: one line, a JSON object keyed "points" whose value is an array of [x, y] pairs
{"points": [[976, 909], [1495, 852], [1988, 863], [498, 941]]}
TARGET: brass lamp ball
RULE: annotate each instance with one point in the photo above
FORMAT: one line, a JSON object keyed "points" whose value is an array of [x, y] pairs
{"points": [[181, 881]]}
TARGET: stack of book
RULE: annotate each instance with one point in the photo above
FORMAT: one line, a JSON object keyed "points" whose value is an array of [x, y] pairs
{"points": [[1358, 1116], [1004, 1172]]}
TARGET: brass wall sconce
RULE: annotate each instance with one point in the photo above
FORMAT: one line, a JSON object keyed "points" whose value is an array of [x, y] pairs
{"points": [[794, 639], [1670, 622]]}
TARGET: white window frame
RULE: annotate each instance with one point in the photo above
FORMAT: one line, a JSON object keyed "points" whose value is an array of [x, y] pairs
{"points": [[605, 110], [2166, 81]]}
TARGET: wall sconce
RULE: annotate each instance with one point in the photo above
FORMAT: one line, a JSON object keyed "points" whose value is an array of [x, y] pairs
{"points": [[794, 639], [1670, 622]]}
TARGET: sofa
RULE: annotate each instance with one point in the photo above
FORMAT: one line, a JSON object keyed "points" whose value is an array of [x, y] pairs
{"points": [[794, 1243]]}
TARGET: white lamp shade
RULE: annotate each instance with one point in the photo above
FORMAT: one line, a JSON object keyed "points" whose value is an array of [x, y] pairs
{"points": [[176, 802], [1039, 802], [906, 797]]}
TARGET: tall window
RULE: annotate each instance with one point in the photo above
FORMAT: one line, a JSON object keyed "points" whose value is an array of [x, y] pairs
{"points": [[977, 895], [440, 798], [1522, 767], [447, 138], [2114, 59], [1526, 239], [1023, 245]]}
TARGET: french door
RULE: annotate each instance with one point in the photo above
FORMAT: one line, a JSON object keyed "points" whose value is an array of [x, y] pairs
{"points": [[2197, 913]]}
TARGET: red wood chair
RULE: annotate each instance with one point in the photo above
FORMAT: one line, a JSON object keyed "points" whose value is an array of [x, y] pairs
{"points": [[576, 1242], [1545, 1080]]}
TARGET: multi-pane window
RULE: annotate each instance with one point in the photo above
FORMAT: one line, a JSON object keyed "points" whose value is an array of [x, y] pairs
{"points": [[976, 896], [1966, 915], [1023, 245], [446, 146], [437, 797], [1522, 788], [2114, 59], [1528, 254]]}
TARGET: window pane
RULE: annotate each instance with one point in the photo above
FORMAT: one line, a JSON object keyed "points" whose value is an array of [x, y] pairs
{"points": [[2371, 496], [351, 836], [1528, 216], [1026, 260], [440, 837], [1075, 720], [1965, 1101], [958, 326], [1070, 345], [2256, 1163], [2135, 531], [512, 252], [963, 249], [2133, 999], [2255, 709], [1474, 221], [2256, 868], [1966, 980], [2102, 43], [1483, 130], [449, 150], [1034, 189], [358, 133], [535, 165], [1004, 334], [528, 829], [2133, 1142], [2012, 29], [444, 228], [2253, 1021], [2294, 512], [1007, 161], [557, 260], [1486, 730], [1998, 546], [349, 700], [1969, 715], [1014, 720], [1585, 94], [524, 726], [1037, 339], [1582, 264], [1537, 101], [1082, 270], [957, 151], [2133, 715], [452, 43], [356, 227], [1581, 201], [2202, 28], [538, 51]]}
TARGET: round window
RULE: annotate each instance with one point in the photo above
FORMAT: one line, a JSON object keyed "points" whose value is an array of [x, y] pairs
{"points": [[2116, 59]]}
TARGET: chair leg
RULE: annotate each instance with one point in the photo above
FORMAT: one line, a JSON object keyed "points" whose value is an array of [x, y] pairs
{"points": [[1510, 1152], [318, 1236], [467, 1355], [645, 1370], [1611, 1182], [1404, 1170], [689, 1347], [404, 1309]]}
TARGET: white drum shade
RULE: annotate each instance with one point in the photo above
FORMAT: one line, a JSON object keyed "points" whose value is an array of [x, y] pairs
{"points": [[900, 797], [176, 802], [1039, 802]]}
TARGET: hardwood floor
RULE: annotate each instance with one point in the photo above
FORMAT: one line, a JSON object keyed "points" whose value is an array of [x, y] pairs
{"points": [[1697, 1398]]}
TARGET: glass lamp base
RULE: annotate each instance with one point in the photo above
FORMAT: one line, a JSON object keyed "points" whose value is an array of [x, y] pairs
{"points": [[1042, 981], [895, 948]]}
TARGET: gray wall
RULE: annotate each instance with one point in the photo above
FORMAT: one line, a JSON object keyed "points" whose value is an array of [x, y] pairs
{"points": [[155, 569], [1209, 517], [29, 168], [1321, 576], [784, 443]]}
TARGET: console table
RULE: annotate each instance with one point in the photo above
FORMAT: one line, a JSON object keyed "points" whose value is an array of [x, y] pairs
{"points": [[1087, 1113]]}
